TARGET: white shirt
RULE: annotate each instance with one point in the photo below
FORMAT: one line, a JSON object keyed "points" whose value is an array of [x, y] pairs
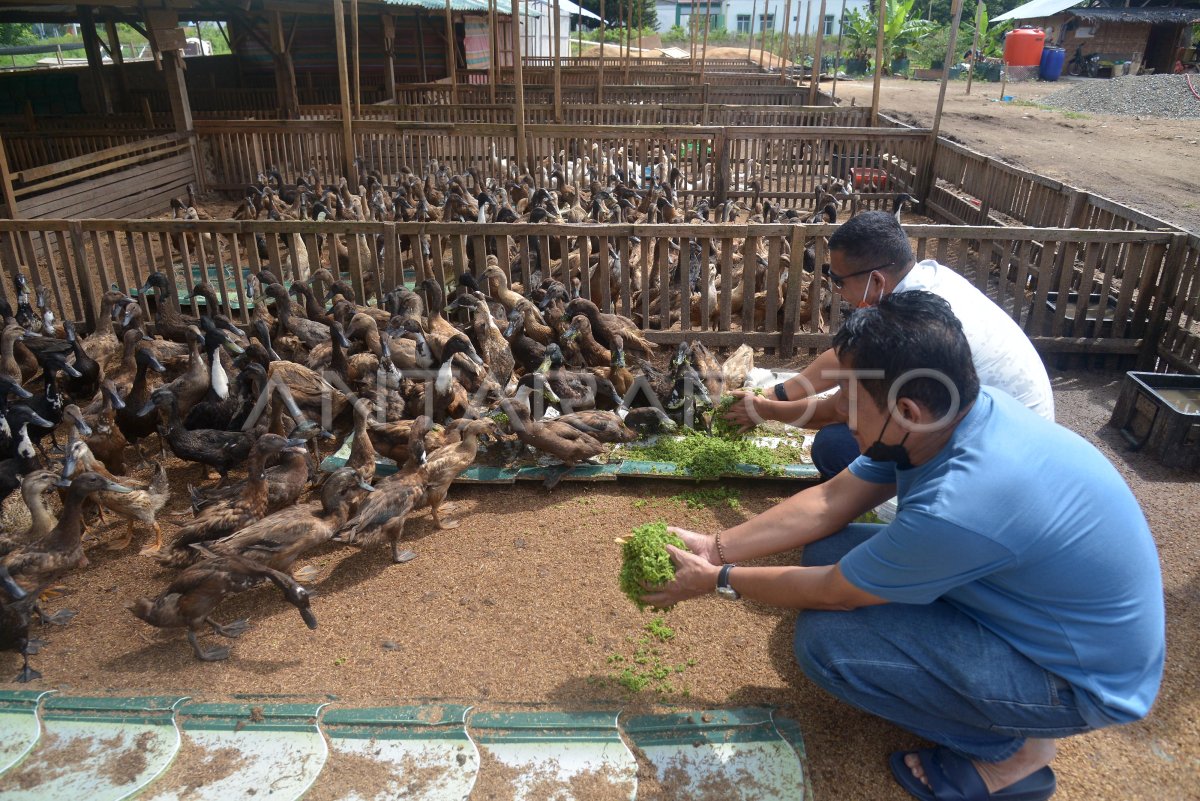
{"points": [[1004, 357]]}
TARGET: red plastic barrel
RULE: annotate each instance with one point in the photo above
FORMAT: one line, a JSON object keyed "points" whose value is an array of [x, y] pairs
{"points": [[1023, 47]]}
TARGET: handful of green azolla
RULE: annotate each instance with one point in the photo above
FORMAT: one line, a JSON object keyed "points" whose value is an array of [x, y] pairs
{"points": [[645, 562]]}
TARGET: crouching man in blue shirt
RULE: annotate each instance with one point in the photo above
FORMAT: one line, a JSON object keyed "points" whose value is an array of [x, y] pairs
{"points": [[1015, 599]]}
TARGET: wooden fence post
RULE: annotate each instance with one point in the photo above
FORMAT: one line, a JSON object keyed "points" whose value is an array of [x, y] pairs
{"points": [[721, 178], [339, 28], [86, 278], [1173, 260]]}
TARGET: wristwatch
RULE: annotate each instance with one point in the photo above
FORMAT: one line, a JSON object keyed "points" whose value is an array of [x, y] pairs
{"points": [[723, 588], [780, 392]]}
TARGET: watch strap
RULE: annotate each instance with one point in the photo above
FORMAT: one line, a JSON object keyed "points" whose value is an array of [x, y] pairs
{"points": [[723, 576], [780, 392]]}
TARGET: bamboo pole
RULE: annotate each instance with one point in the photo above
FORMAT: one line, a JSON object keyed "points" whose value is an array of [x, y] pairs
{"points": [[355, 55], [492, 62], [750, 44], [421, 50], [452, 53], [807, 24], [339, 31], [519, 88], [6, 187], [641, 7], [762, 44], [927, 176], [692, 26], [600, 83], [878, 61], [704, 47], [837, 57], [557, 64], [815, 89], [975, 44], [787, 18]]}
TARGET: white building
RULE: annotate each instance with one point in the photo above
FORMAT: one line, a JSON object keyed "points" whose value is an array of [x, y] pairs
{"points": [[537, 25], [746, 16]]}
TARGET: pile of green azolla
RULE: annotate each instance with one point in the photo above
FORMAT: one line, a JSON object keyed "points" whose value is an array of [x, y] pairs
{"points": [[645, 561], [707, 457]]}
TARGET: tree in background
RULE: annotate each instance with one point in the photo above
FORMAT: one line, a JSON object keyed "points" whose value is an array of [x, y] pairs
{"points": [[614, 9], [12, 33], [901, 31], [940, 10]]}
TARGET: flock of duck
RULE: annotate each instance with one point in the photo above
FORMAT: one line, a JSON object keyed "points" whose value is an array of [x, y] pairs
{"points": [[418, 377]]}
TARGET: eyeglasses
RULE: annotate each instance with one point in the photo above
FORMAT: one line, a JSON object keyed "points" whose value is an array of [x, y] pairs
{"points": [[839, 281]]}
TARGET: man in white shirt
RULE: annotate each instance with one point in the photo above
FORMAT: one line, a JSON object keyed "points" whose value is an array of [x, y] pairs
{"points": [[870, 258]]}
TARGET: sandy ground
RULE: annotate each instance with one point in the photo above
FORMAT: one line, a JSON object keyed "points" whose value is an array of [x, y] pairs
{"points": [[1147, 163]]}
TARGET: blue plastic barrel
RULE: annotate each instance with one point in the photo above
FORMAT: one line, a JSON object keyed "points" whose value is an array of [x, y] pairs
{"points": [[1052, 63]]}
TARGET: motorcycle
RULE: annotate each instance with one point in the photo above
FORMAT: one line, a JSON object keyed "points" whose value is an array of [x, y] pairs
{"points": [[1079, 65]]}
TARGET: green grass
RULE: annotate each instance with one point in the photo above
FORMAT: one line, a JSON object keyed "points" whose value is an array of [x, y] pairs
{"points": [[704, 498]]}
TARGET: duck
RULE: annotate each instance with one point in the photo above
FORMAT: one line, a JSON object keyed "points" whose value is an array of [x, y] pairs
{"points": [[564, 442], [24, 461], [286, 482], [281, 538], [16, 608], [442, 466], [221, 519], [494, 348], [594, 354], [10, 368], [606, 326], [41, 563], [401, 439], [49, 405], [106, 441], [7, 388], [192, 596], [601, 425], [362, 453], [230, 412], [305, 393], [445, 339], [576, 390], [42, 520], [85, 387], [309, 332], [133, 425], [383, 515], [139, 505], [220, 450], [169, 323]]}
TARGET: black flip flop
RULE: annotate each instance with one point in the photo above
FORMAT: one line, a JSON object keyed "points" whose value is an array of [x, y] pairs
{"points": [[953, 778]]}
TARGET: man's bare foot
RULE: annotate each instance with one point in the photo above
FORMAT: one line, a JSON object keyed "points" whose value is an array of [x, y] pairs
{"points": [[1032, 757]]}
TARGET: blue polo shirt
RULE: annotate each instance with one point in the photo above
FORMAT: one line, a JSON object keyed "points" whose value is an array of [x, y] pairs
{"points": [[1027, 528]]}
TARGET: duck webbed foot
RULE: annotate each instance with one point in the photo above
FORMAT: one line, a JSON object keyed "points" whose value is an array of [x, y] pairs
{"points": [[399, 557], [207, 655], [306, 574], [27, 673], [231, 630], [552, 480], [60, 618], [446, 523]]}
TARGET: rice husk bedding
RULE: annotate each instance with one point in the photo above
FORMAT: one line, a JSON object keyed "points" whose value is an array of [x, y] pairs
{"points": [[196, 766]]}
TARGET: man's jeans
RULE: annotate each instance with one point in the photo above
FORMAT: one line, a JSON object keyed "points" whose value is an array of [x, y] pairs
{"points": [[931, 669], [833, 449]]}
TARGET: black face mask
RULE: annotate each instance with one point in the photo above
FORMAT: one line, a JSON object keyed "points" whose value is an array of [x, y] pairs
{"points": [[881, 452]]}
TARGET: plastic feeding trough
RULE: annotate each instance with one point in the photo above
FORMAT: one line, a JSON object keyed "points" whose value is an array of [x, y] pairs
{"points": [[107, 749], [1159, 413]]}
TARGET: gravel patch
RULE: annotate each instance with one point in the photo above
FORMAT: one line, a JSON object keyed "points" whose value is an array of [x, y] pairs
{"points": [[1165, 96]]}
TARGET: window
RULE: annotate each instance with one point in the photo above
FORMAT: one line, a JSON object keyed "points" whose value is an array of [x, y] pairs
{"points": [[829, 25], [766, 22], [743, 23]]}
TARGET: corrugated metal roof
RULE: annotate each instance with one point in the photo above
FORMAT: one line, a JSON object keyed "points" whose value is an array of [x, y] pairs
{"points": [[469, 6], [1180, 16], [1036, 9]]}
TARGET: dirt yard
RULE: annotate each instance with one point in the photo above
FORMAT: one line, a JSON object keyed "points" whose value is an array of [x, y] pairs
{"points": [[1148, 163]]}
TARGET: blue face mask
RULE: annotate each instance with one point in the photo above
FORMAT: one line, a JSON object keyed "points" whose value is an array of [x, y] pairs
{"points": [[881, 452]]}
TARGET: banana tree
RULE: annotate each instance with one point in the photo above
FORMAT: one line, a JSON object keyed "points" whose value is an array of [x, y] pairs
{"points": [[901, 31], [991, 37]]}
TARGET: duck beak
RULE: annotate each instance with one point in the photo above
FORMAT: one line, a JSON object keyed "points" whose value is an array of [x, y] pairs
{"points": [[233, 347], [117, 402], [39, 421], [310, 619], [619, 359], [146, 410], [544, 367], [294, 443], [570, 334], [68, 466], [112, 486], [71, 371], [362, 485], [83, 427], [20, 392], [341, 338], [63, 483], [157, 366]]}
